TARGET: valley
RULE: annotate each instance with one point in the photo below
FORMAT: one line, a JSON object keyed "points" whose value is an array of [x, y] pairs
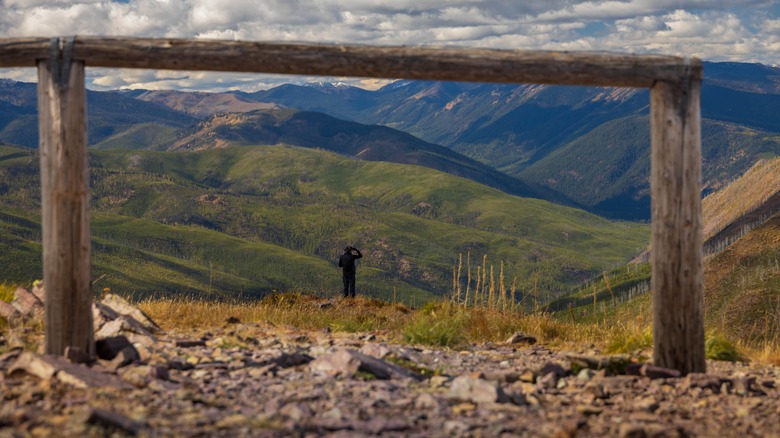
{"points": [[250, 220], [425, 176]]}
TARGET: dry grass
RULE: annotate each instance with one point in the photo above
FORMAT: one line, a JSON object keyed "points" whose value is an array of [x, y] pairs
{"points": [[438, 323], [7, 292], [291, 309], [742, 196]]}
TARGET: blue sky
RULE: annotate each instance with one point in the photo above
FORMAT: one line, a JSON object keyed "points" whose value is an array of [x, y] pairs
{"points": [[714, 30]]}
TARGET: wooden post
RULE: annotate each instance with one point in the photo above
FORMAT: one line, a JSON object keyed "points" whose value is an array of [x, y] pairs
{"points": [[64, 202], [678, 315]]}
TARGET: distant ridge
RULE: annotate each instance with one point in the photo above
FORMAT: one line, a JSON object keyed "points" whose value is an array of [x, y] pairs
{"points": [[366, 142], [203, 105]]}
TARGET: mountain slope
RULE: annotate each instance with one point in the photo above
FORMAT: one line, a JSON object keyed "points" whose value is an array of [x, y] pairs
{"points": [[747, 194], [512, 127], [608, 169], [108, 114], [741, 225], [366, 142], [189, 213], [742, 286], [519, 129], [202, 105]]}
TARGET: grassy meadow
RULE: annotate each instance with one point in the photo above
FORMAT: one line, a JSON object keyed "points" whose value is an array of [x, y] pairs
{"points": [[248, 221]]}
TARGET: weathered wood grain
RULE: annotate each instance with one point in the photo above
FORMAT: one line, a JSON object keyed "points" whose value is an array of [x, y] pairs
{"points": [[65, 211], [678, 315], [444, 63], [23, 52]]}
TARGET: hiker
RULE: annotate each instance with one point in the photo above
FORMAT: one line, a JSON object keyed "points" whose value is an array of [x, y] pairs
{"points": [[347, 264]]}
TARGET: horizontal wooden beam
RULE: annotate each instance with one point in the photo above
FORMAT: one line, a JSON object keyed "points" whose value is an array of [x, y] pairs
{"points": [[23, 52], [444, 64]]}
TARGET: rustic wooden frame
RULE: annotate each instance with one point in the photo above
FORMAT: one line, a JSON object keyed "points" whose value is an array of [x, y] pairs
{"points": [[674, 84]]}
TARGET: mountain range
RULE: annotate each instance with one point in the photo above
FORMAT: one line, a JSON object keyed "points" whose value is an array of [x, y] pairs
{"points": [[187, 186], [578, 146]]}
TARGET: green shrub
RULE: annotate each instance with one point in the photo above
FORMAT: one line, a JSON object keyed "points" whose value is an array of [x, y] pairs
{"points": [[630, 340], [437, 323], [716, 347]]}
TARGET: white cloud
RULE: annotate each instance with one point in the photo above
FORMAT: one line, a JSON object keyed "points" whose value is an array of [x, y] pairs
{"points": [[737, 30]]}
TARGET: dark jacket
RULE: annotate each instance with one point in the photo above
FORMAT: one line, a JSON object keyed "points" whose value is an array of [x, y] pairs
{"points": [[347, 261]]}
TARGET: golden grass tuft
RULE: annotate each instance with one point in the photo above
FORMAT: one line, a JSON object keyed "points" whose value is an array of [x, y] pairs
{"points": [[7, 292], [286, 309]]}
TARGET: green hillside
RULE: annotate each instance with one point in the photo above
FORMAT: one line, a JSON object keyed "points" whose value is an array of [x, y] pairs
{"points": [[608, 169], [366, 142], [221, 215], [139, 137]]}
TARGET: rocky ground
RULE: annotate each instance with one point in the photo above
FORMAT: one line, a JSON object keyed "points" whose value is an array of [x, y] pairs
{"points": [[245, 379]]}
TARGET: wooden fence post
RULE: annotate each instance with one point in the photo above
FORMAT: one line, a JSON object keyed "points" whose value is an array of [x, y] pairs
{"points": [[678, 315], [64, 202]]}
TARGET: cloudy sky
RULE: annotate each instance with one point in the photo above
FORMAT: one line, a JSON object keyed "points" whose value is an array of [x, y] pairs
{"points": [[714, 30]]}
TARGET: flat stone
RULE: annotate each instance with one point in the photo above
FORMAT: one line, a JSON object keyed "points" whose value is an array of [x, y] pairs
{"points": [[27, 303], [347, 362], [425, 401], [376, 426], [654, 372], [41, 366], [81, 376], [190, 344], [101, 314], [125, 357], [287, 360], [127, 326], [296, 411], [109, 348], [586, 374], [475, 390], [521, 338], [589, 410], [159, 372], [701, 380], [631, 430], [48, 366], [8, 358], [552, 367], [378, 351], [121, 306], [39, 291], [9, 312], [111, 419]]}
